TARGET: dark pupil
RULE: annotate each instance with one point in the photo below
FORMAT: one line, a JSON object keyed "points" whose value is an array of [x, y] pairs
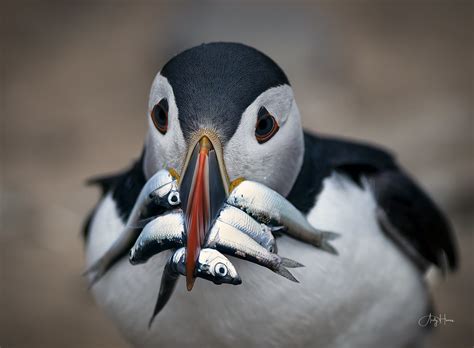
{"points": [[174, 199], [264, 126], [161, 117], [221, 270]]}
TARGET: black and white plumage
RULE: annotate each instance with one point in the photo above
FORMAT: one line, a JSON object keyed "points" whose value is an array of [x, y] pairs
{"points": [[391, 232]]}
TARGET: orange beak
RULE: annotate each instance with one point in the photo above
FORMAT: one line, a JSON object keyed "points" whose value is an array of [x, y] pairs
{"points": [[202, 192]]}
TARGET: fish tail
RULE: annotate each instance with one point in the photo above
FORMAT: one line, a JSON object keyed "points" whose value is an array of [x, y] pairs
{"points": [[150, 322], [95, 272], [326, 236], [279, 228], [167, 286], [286, 262], [285, 273]]}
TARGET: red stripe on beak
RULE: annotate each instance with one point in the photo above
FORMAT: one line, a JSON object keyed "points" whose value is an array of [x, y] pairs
{"points": [[198, 211]]}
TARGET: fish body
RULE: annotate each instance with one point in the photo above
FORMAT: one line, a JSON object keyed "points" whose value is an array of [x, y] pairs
{"points": [[211, 265], [230, 240], [259, 232], [269, 207], [159, 194], [162, 233]]}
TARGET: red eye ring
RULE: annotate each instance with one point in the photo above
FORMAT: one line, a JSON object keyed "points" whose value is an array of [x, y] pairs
{"points": [[159, 116], [266, 126]]}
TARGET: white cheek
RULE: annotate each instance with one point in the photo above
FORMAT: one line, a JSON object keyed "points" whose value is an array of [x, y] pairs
{"points": [[275, 163], [169, 149], [164, 151]]}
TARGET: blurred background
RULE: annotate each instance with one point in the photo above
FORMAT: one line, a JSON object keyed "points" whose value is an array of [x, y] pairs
{"points": [[74, 86]]}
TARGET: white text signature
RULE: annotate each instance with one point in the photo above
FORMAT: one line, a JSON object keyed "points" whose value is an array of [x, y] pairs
{"points": [[435, 320]]}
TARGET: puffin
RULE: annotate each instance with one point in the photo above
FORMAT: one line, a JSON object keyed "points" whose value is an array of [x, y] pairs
{"points": [[236, 100]]}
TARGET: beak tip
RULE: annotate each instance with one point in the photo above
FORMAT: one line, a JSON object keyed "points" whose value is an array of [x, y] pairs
{"points": [[189, 284]]}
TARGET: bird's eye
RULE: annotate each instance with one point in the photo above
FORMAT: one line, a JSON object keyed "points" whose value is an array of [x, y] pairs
{"points": [[220, 269], [266, 126], [159, 115]]}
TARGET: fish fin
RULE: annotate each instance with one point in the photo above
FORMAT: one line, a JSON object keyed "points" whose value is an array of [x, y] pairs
{"points": [[278, 230], [285, 273], [167, 286], [330, 235], [326, 236], [286, 262], [141, 223]]}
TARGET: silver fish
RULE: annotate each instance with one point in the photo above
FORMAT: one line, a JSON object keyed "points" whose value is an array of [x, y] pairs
{"points": [[211, 265], [162, 233], [261, 233], [268, 206], [158, 194], [230, 240], [160, 191]]}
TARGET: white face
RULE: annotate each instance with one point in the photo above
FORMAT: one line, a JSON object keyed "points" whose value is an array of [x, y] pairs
{"points": [[277, 162], [163, 150], [274, 163]]}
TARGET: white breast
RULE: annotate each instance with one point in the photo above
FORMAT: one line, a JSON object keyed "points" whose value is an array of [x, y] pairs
{"points": [[367, 296]]}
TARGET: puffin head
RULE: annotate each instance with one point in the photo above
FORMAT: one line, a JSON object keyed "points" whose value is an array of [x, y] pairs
{"points": [[218, 113]]}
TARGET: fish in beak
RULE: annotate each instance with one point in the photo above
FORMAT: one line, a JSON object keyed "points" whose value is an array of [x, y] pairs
{"points": [[204, 186]]}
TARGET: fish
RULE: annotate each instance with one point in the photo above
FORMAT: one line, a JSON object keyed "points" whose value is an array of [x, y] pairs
{"points": [[162, 233], [211, 265], [269, 207], [159, 194], [229, 240], [234, 233], [259, 232]]}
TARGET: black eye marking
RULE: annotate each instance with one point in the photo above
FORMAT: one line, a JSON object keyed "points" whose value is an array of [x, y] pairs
{"points": [[266, 126], [159, 115]]}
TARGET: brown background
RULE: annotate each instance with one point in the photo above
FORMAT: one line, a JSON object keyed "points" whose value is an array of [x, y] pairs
{"points": [[74, 85]]}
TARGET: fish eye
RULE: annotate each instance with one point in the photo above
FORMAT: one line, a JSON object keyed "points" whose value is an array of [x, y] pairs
{"points": [[220, 269], [173, 198], [266, 126], [159, 115]]}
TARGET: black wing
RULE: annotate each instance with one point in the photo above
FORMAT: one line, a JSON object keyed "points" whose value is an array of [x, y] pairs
{"points": [[408, 215], [415, 216], [125, 187]]}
